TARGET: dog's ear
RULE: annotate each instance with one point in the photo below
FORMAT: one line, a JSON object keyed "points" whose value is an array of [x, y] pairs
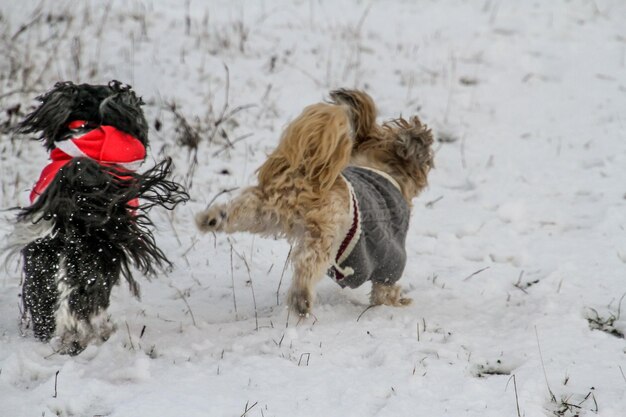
{"points": [[51, 117], [361, 111], [413, 141], [122, 109]]}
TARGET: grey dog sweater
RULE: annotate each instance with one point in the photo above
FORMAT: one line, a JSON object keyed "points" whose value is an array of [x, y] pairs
{"points": [[373, 248]]}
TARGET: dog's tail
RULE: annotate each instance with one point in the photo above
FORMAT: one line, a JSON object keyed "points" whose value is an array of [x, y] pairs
{"points": [[361, 110], [86, 200], [312, 152]]}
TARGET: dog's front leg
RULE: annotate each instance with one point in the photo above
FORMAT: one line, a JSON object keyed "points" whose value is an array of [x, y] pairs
{"points": [[245, 213], [311, 259], [39, 292]]}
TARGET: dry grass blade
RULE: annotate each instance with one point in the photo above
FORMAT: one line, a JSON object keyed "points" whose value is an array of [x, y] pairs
{"points": [[516, 395], [232, 275], [475, 273], [56, 377], [308, 356], [188, 135], [245, 262], [432, 203], [184, 298], [282, 274], [130, 338], [606, 325], [224, 191], [247, 409], [231, 144], [37, 15], [543, 367], [363, 312]]}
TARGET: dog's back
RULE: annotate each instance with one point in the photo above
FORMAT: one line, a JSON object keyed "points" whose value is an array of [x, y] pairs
{"points": [[375, 249]]}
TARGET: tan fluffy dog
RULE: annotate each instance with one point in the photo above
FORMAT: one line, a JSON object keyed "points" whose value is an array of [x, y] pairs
{"points": [[303, 196]]}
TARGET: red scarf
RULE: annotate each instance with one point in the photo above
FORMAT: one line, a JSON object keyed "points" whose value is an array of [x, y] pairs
{"points": [[104, 144]]}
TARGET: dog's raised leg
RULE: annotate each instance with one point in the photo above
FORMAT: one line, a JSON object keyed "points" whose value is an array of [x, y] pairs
{"points": [[386, 294], [244, 213]]}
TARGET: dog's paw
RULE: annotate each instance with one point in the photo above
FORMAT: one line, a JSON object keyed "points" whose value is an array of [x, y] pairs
{"points": [[210, 220], [75, 334], [390, 295], [300, 300], [71, 348], [70, 342], [403, 301]]}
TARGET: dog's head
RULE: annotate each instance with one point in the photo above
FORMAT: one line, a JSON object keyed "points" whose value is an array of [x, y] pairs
{"points": [[114, 104]]}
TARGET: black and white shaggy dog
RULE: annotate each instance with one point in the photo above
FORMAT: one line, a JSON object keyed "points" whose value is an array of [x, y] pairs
{"points": [[87, 225]]}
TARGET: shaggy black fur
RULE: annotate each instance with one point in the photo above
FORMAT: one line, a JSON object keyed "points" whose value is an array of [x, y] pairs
{"points": [[114, 104], [97, 236]]}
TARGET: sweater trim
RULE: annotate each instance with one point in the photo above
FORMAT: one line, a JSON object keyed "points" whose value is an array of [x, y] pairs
{"points": [[352, 236], [386, 176]]}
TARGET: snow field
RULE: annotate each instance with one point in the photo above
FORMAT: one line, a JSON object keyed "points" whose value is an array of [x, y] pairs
{"points": [[517, 243]]}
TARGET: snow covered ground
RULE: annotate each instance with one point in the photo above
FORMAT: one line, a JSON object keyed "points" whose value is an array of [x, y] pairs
{"points": [[517, 251]]}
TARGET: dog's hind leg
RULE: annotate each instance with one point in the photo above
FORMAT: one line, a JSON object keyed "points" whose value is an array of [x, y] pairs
{"points": [[39, 291], [386, 294], [245, 213], [311, 258], [87, 277]]}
